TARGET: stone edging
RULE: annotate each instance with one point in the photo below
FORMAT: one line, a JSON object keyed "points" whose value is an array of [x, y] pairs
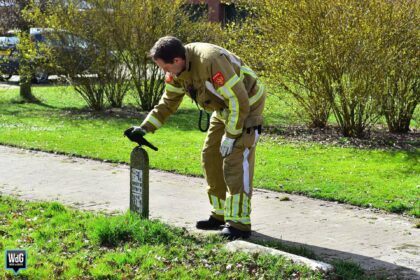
{"points": [[247, 247]]}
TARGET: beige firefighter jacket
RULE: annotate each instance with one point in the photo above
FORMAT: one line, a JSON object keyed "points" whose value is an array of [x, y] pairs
{"points": [[218, 81]]}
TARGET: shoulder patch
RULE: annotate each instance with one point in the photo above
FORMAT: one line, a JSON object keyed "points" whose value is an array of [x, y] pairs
{"points": [[168, 78], [219, 79]]}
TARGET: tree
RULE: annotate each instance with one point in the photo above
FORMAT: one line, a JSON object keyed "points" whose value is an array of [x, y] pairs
{"points": [[12, 17]]}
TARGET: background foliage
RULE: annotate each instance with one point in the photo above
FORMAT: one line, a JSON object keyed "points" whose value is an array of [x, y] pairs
{"points": [[121, 34], [355, 59]]}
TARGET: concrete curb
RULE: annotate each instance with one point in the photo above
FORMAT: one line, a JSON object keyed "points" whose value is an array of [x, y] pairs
{"points": [[248, 247]]}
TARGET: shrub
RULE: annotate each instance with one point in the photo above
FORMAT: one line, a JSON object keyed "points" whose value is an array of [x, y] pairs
{"points": [[399, 21], [112, 72], [337, 55], [260, 41], [87, 69], [118, 84], [134, 26]]}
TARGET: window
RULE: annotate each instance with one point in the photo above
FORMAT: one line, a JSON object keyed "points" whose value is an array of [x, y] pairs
{"points": [[231, 13], [196, 11]]}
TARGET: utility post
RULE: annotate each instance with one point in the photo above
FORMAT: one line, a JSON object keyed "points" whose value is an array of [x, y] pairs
{"points": [[139, 182]]}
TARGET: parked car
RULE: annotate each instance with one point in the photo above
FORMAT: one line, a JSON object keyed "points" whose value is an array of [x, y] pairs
{"points": [[70, 48], [8, 60]]}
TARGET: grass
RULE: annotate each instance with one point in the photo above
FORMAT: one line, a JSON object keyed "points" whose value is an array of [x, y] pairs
{"points": [[63, 243], [382, 179]]}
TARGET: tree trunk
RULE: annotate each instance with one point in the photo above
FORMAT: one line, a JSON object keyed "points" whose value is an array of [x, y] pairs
{"points": [[26, 92], [25, 72]]}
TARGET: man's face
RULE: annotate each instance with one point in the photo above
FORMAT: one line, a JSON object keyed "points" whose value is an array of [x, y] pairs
{"points": [[174, 68]]}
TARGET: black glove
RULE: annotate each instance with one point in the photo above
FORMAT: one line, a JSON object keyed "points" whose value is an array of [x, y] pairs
{"points": [[136, 134]]}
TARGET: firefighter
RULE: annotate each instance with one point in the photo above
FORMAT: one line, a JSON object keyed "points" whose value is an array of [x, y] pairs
{"points": [[219, 82]]}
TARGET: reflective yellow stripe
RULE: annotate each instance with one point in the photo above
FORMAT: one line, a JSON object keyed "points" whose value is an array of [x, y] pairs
{"points": [[257, 97], [221, 203], [246, 206], [232, 81], [228, 206], [154, 121], [218, 205], [215, 202], [227, 92], [233, 205], [247, 70], [171, 88]]}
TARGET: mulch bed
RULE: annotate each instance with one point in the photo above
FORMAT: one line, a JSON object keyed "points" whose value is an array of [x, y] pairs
{"points": [[376, 138]]}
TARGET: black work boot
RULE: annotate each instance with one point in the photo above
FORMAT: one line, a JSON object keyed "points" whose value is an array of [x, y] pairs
{"points": [[211, 223], [232, 233]]}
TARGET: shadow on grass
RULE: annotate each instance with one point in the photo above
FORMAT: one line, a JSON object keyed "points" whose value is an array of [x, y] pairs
{"points": [[411, 157], [183, 119], [36, 102]]}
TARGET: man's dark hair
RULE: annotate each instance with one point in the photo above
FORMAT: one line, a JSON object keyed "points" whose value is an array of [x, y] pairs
{"points": [[167, 48]]}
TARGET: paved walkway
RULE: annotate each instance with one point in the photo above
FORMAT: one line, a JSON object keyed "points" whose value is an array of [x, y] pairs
{"points": [[376, 240], [5, 85]]}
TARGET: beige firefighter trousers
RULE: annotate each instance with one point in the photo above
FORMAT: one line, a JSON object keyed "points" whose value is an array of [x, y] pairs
{"points": [[230, 179]]}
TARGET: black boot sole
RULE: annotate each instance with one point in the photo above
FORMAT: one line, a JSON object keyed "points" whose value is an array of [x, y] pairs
{"points": [[216, 227]]}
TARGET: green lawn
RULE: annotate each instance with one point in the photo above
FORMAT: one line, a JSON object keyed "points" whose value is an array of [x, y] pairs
{"points": [[62, 243], [387, 180]]}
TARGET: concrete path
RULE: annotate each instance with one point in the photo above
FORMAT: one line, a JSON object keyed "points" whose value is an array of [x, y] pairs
{"points": [[8, 85], [378, 241]]}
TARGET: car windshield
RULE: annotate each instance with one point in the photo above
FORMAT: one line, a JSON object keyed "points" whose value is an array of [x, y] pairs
{"points": [[8, 41]]}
